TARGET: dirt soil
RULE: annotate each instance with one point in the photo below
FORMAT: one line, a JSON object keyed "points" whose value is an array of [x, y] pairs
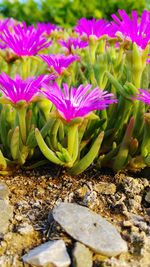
{"points": [[120, 198]]}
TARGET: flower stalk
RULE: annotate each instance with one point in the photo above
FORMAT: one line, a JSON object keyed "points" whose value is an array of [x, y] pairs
{"points": [[22, 123]]}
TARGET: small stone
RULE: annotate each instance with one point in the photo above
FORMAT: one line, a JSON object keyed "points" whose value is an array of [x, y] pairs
{"points": [[6, 213], [82, 191], [51, 253], [139, 222], [82, 256], [40, 190], [25, 229], [19, 218], [138, 199], [134, 205], [4, 191], [90, 229], [135, 218], [132, 186], [105, 188], [147, 197], [90, 199], [127, 224], [99, 257]]}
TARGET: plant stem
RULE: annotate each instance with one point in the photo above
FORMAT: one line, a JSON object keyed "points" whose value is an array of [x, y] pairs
{"points": [[22, 123], [72, 131]]}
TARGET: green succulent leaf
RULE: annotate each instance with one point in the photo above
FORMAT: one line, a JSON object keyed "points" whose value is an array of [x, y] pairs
{"points": [[47, 152], [86, 161]]}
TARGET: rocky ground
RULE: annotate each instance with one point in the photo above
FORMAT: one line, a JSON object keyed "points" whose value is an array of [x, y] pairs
{"points": [[27, 199]]}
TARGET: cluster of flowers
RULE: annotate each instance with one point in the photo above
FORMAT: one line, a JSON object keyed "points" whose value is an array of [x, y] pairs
{"points": [[57, 87]]}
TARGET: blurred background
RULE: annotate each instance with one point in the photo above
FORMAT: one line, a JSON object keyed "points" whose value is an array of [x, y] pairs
{"points": [[66, 12]]}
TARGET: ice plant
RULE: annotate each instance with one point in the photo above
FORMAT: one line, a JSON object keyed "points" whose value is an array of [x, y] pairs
{"points": [[93, 30], [93, 27], [46, 28], [24, 41], [20, 93], [133, 29], [77, 102], [67, 118], [3, 24], [59, 62], [73, 43], [17, 89], [144, 96], [73, 103]]}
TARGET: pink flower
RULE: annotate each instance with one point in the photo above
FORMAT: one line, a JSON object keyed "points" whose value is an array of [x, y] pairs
{"points": [[73, 43], [16, 89], [23, 40], [131, 28], [93, 27], [77, 102], [3, 25], [46, 28], [144, 96], [59, 62]]}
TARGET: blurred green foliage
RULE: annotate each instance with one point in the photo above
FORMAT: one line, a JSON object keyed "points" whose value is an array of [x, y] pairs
{"points": [[66, 12]]}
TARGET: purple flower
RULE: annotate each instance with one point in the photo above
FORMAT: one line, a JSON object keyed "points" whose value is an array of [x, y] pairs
{"points": [[131, 28], [12, 22], [73, 43], [23, 40], [16, 89], [3, 24], [59, 62], [144, 96], [93, 27], [46, 28], [77, 102]]}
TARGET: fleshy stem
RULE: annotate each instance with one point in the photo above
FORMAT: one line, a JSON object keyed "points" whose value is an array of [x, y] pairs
{"points": [[22, 123], [92, 49], [85, 162], [72, 132], [138, 66], [91, 70], [59, 80], [122, 156], [145, 146], [25, 67], [54, 132]]}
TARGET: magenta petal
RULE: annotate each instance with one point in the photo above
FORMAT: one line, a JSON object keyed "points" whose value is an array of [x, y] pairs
{"points": [[23, 40], [59, 62], [133, 29], [93, 27], [17, 89], [77, 102], [73, 43], [144, 96]]}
